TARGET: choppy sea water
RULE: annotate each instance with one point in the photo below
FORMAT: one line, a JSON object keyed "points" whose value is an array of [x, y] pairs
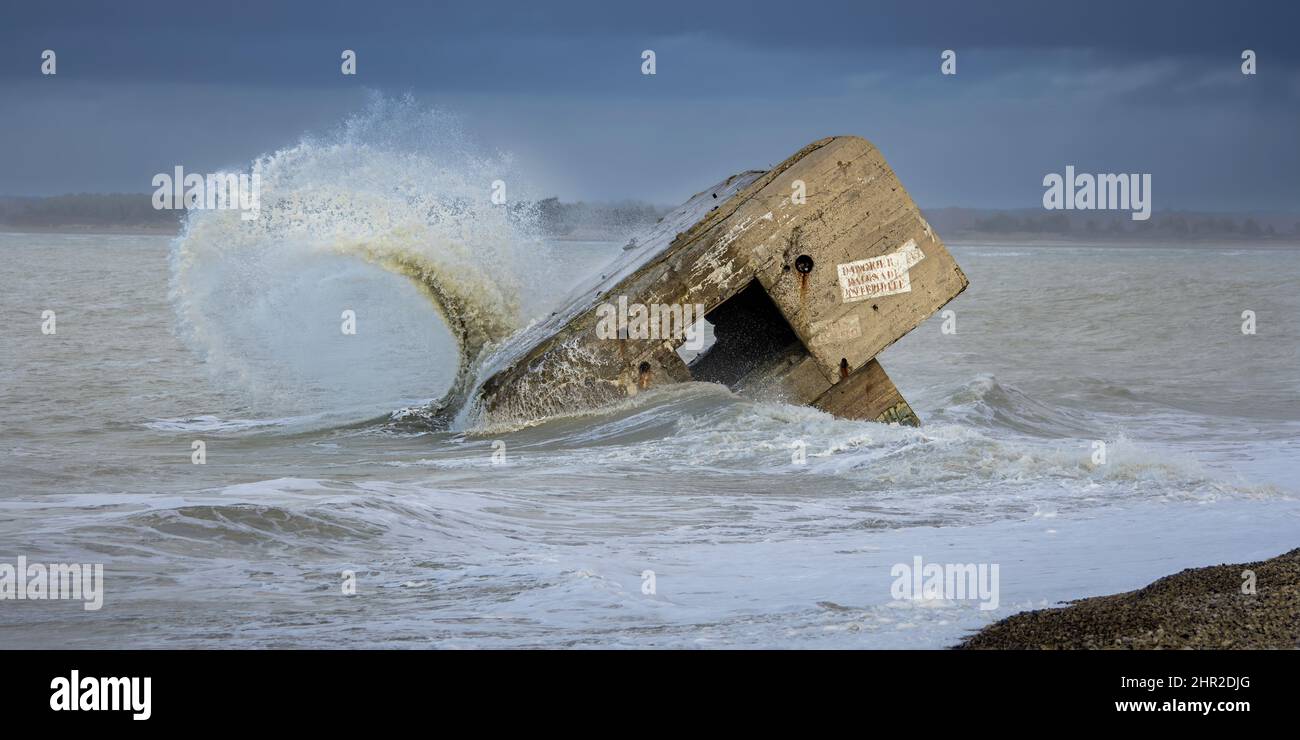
{"points": [[554, 543]]}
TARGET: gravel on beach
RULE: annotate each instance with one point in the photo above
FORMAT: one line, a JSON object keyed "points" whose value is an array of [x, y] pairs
{"points": [[1201, 608]]}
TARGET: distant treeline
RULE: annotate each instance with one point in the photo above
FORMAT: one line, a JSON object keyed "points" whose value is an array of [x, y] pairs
{"points": [[595, 220], [135, 210], [1167, 225], [582, 220], [121, 210]]}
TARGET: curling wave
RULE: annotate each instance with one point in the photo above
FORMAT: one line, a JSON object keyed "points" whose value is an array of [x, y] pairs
{"points": [[395, 192]]}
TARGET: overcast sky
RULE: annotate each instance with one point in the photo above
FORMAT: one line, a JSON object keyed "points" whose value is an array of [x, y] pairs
{"points": [[1150, 87]]}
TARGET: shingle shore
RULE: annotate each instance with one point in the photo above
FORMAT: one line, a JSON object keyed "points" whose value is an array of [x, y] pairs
{"points": [[1202, 608]]}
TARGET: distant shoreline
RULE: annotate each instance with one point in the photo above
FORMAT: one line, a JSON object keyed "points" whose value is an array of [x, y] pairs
{"points": [[113, 230], [958, 240], [135, 213], [980, 240]]}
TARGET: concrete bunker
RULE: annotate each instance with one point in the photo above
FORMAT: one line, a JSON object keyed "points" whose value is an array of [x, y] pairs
{"points": [[805, 271]]}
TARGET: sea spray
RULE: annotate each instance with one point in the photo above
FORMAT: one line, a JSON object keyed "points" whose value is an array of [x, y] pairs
{"points": [[397, 190]]}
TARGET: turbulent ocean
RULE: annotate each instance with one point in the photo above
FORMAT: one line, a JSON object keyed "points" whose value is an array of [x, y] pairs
{"points": [[1098, 419]]}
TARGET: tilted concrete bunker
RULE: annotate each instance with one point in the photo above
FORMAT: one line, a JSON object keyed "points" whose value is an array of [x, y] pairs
{"points": [[805, 272]]}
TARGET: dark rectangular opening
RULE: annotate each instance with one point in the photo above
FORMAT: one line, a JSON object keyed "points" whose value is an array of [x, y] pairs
{"points": [[751, 339]]}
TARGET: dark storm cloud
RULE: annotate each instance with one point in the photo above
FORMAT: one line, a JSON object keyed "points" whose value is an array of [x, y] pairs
{"points": [[1123, 86], [492, 46]]}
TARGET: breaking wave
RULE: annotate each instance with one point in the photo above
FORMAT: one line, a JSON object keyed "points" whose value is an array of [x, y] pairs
{"points": [[390, 217], [984, 402]]}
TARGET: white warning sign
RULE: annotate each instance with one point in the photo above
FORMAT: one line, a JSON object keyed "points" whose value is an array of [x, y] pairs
{"points": [[879, 276]]}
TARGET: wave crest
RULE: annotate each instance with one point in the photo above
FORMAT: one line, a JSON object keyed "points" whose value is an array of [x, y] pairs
{"points": [[398, 188]]}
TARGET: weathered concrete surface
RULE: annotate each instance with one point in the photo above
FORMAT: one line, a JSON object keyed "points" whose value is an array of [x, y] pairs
{"points": [[803, 296]]}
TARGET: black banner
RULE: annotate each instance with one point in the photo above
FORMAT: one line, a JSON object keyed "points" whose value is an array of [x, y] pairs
{"points": [[961, 690]]}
